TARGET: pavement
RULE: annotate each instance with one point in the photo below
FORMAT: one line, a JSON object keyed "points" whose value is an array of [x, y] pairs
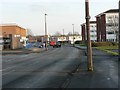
{"points": [[104, 75], [23, 51]]}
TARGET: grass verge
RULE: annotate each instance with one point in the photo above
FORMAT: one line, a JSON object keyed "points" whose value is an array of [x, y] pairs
{"points": [[108, 49]]}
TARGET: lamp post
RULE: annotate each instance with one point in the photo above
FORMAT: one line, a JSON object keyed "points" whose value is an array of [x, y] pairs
{"points": [[89, 49], [119, 30], [46, 45], [73, 35], [63, 37]]}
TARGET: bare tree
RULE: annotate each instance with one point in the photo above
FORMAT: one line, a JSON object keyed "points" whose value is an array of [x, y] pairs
{"points": [[70, 33], [29, 32], [57, 34], [75, 33]]}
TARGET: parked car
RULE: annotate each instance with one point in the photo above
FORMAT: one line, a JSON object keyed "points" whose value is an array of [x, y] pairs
{"points": [[57, 44], [52, 43]]}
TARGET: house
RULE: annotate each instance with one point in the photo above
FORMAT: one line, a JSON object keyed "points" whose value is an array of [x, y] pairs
{"points": [[59, 38], [62, 38], [42, 38], [66, 38], [74, 38]]}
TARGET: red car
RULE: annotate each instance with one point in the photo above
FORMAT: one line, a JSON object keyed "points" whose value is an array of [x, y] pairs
{"points": [[52, 43]]}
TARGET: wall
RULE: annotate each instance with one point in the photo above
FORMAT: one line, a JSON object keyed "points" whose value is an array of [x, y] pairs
{"points": [[83, 33], [17, 33]]}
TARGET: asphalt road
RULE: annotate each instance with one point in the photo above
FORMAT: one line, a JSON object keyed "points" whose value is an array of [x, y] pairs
{"points": [[48, 69]]}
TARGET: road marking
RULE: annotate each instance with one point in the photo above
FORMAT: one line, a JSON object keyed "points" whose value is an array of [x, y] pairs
{"points": [[7, 72], [8, 68], [24, 56]]}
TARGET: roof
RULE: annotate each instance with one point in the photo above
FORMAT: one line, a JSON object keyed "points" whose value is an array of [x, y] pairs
{"points": [[83, 24], [112, 11], [108, 11], [8, 24], [11, 25]]}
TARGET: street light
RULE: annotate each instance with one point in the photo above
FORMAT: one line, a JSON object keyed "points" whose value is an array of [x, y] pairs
{"points": [[89, 49], [46, 33], [119, 30], [73, 35], [63, 37]]}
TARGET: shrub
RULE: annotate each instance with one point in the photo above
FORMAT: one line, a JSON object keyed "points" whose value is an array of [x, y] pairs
{"points": [[114, 44], [78, 42], [98, 44], [82, 44]]}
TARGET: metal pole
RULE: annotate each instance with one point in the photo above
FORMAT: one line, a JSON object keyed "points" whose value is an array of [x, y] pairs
{"points": [[89, 49], [73, 35], [63, 37], [119, 30], [46, 33]]}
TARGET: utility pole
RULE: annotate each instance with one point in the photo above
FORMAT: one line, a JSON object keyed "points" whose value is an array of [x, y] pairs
{"points": [[89, 49], [46, 45], [119, 30], [73, 35]]}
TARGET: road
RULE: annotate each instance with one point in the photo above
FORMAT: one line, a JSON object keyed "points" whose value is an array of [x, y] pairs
{"points": [[49, 69]]}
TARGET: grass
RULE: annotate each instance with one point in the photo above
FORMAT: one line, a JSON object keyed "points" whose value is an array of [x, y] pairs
{"points": [[108, 49], [82, 44]]}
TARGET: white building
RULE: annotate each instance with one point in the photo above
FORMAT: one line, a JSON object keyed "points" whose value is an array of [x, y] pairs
{"points": [[107, 25], [62, 38], [76, 38], [93, 32], [67, 38], [112, 20]]}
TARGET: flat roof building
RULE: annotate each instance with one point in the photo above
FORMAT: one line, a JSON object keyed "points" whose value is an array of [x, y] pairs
{"points": [[107, 26], [12, 36], [93, 32]]}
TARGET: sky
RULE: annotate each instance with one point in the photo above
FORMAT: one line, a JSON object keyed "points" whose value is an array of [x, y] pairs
{"points": [[61, 14]]}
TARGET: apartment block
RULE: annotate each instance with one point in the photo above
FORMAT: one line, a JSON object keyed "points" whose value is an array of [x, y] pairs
{"points": [[93, 32], [107, 26]]}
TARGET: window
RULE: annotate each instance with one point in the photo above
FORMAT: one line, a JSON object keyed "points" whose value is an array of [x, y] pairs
{"points": [[110, 32]]}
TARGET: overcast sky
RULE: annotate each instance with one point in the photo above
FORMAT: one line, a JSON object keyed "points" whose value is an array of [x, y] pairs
{"points": [[61, 13]]}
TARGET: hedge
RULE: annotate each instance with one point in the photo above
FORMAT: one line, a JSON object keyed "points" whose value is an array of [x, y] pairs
{"points": [[98, 44]]}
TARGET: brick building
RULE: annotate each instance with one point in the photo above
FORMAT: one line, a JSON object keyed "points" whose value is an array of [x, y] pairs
{"points": [[107, 26], [12, 36], [93, 32], [83, 32], [42, 38]]}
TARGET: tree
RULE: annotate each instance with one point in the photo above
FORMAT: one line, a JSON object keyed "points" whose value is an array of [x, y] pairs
{"points": [[57, 34], [75, 33], [70, 33], [29, 32]]}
